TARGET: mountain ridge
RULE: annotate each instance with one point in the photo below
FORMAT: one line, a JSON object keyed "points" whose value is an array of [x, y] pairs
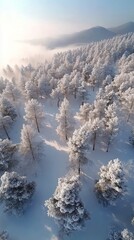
{"points": [[86, 36]]}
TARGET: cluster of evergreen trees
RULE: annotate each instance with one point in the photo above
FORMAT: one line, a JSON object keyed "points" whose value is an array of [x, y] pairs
{"points": [[100, 77]]}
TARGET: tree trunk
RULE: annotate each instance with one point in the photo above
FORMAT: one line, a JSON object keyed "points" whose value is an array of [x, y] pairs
{"points": [[66, 127], [130, 111], [36, 120], [83, 99], [79, 169], [58, 102], [6, 132], [94, 140], [75, 91], [108, 146], [109, 140], [13, 96], [30, 145], [37, 125]]}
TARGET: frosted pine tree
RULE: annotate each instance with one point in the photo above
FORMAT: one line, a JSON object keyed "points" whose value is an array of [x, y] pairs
{"points": [[7, 151], [127, 235], [31, 90], [95, 130], [3, 83], [95, 121], [66, 207], [34, 113], [78, 146], [5, 124], [82, 91], [127, 99], [11, 92], [121, 235], [75, 83], [62, 89], [31, 145], [110, 122], [4, 235], [44, 86], [15, 192], [111, 184], [84, 113], [65, 120], [7, 109]]}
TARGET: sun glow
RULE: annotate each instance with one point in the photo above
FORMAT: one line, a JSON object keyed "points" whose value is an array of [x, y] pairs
{"points": [[14, 29]]}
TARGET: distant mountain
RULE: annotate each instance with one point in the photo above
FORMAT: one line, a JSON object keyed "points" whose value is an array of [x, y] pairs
{"points": [[123, 29], [83, 37], [90, 35]]}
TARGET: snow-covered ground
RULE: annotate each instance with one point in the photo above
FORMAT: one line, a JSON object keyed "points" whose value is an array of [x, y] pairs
{"points": [[102, 76], [35, 224]]}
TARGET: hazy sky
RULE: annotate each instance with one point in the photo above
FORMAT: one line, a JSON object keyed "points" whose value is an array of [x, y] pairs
{"points": [[30, 19], [39, 18]]}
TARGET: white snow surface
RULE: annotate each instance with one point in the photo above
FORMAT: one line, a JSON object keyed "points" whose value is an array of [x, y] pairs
{"points": [[35, 223]]}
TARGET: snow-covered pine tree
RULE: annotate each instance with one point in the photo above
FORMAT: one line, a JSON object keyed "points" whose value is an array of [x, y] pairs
{"points": [[132, 221], [5, 124], [44, 86], [111, 184], [56, 94], [75, 83], [11, 92], [82, 91], [84, 112], [62, 90], [87, 72], [94, 129], [31, 145], [7, 151], [7, 109], [3, 83], [15, 192], [127, 235], [114, 235], [121, 235], [66, 207], [78, 146], [4, 235], [127, 99], [65, 120], [31, 90], [95, 120], [34, 113], [110, 122]]}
